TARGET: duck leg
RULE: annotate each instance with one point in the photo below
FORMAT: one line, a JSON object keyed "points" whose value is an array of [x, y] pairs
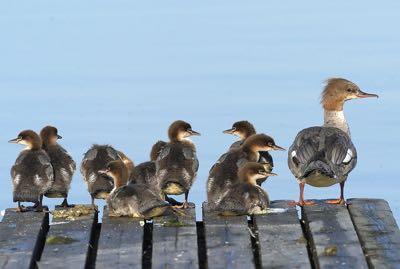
{"points": [[92, 196], [301, 201], [21, 208], [39, 206], [186, 203], [341, 200], [65, 204]]}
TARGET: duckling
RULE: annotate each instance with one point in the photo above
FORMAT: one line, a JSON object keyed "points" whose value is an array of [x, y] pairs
{"points": [[145, 173], [63, 165], [245, 197], [95, 159], [225, 172], [133, 200], [32, 174], [243, 130], [324, 156], [177, 163]]}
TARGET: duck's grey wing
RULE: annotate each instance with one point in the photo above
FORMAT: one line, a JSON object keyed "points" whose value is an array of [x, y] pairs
{"points": [[191, 157], [47, 171], [324, 148], [90, 155]]}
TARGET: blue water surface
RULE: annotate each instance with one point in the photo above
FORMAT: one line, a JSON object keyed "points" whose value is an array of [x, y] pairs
{"points": [[120, 72]]}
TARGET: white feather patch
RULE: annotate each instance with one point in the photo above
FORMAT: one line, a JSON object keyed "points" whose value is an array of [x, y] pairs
{"points": [[349, 156], [65, 175], [92, 177], [293, 154], [37, 180], [17, 179]]}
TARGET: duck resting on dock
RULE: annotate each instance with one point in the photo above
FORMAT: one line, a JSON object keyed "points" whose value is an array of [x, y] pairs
{"points": [[243, 130], [245, 197], [32, 174], [133, 200], [63, 165], [177, 163], [225, 172], [324, 156], [94, 160]]}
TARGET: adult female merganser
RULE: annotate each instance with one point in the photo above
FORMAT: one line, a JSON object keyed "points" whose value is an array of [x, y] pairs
{"points": [[225, 172], [133, 200], [323, 156], [32, 173], [245, 197], [177, 163], [95, 159], [63, 164], [243, 130]]}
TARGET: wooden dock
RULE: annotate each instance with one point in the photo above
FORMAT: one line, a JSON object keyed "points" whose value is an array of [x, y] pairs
{"points": [[363, 234]]}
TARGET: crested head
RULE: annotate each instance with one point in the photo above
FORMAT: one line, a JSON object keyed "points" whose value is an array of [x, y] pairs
{"points": [[260, 142], [28, 138], [337, 91], [49, 136], [252, 171], [156, 149], [118, 171], [242, 129], [179, 130]]}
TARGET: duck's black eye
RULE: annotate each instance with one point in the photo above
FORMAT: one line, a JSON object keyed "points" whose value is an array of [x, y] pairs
{"points": [[270, 144], [349, 90]]}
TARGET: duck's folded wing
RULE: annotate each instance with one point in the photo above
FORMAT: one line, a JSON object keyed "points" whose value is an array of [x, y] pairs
{"points": [[191, 157]]}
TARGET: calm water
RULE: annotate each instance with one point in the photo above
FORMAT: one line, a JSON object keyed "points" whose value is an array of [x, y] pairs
{"points": [[120, 72]]}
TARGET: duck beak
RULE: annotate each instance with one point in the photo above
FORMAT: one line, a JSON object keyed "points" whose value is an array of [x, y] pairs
{"points": [[191, 132], [276, 147], [15, 140], [229, 131], [59, 137], [271, 174], [361, 94]]}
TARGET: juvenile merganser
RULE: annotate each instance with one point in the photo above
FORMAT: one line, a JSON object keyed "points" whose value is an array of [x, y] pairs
{"points": [[243, 130], [133, 200], [63, 165], [145, 173], [32, 174], [323, 156], [225, 172], [95, 159], [177, 163], [245, 197]]}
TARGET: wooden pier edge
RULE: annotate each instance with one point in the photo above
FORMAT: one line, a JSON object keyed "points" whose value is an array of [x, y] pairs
{"points": [[363, 234]]}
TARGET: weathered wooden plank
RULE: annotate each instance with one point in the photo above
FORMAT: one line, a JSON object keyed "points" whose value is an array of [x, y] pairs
{"points": [[377, 230], [120, 243], [68, 240], [335, 241], [21, 238], [227, 240], [281, 240], [175, 240]]}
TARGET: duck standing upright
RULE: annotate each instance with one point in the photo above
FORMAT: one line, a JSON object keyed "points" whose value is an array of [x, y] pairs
{"points": [[32, 174], [243, 130], [133, 200], [324, 156], [177, 163], [225, 172], [245, 197], [94, 160], [63, 165]]}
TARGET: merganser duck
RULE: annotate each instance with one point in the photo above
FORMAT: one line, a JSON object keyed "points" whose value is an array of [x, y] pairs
{"points": [[133, 200], [245, 197], [177, 163], [145, 173], [95, 159], [243, 130], [225, 172], [32, 174], [63, 165], [324, 156]]}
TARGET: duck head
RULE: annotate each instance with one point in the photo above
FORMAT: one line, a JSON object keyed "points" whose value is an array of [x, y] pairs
{"points": [[28, 138], [252, 171], [180, 130], [260, 142], [241, 129], [339, 90], [49, 136], [117, 171]]}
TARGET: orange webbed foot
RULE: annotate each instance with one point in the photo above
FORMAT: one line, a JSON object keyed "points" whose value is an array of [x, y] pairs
{"points": [[336, 202]]}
